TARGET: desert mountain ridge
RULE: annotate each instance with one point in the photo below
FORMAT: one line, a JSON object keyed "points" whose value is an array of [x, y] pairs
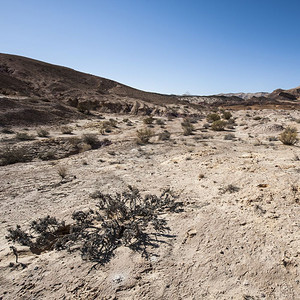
{"points": [[35, 91]]}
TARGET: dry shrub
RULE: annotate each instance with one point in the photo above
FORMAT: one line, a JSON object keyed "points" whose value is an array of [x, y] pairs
{"points": [[66, 130], [125, 219], [91, 139], [226, 115], [13, 155], [24, 136], [82, 147], [148, 120], [42, 132], [144, 135], [218, 125], [187, 127], [164, 136], [213, 117], [289, 136]]}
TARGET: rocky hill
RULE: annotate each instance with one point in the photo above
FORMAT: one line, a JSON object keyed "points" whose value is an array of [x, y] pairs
{"points": [[35, 92]]}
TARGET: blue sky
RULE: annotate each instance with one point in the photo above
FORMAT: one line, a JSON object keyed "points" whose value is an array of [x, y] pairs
{"points": [[166, 46]]}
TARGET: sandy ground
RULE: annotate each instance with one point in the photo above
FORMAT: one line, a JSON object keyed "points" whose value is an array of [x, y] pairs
{"points": [[242, 244]]}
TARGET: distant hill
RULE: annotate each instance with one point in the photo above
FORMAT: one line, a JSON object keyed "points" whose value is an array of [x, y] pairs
{"points": [[56, 92], [245, 96], [33, 92]]}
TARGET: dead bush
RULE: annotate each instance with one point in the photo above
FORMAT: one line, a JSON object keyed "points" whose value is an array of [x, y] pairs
{"points": [[289, 136], [125, 219]]}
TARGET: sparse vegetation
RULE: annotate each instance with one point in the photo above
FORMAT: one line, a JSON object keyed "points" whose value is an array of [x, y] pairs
{"points": [[7, 130], [42, 132], [91, 139], [11, 155], [187, 127], [121, 219], [148, 120], [165, 135], [213, 117], [226, 115], [218, 125], [144, 135], [229, 136], [24, 136], [48, 155], [160, 122], [230, 189], [66, 130], [289, 136], [62, 172]]}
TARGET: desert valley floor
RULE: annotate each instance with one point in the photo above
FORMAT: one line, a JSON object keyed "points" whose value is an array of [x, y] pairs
{"points": [[238, 236]]}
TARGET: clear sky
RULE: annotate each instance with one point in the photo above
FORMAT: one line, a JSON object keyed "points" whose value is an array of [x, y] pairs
{"points": [[165, 46]]}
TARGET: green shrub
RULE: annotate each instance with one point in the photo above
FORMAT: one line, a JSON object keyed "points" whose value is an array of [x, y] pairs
{"points": [[289, 136], [213, 117], [218, 125]]}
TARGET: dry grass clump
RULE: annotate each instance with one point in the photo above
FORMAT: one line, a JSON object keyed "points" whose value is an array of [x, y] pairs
{"points": [[289, 136], [42, 132], [144, 135], [218, 125], [62, 171], [187, 127]]}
